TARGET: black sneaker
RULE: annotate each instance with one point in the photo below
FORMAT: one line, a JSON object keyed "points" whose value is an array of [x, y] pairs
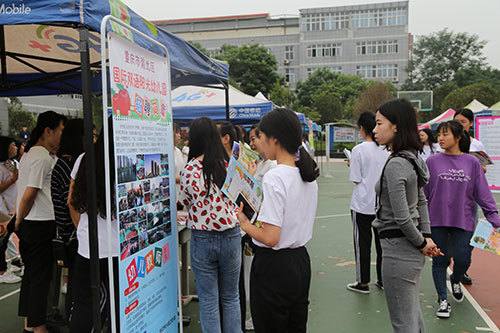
{"points": [[380, 285], [444, 309], [456, 291], [357, 287], [466, 279]]}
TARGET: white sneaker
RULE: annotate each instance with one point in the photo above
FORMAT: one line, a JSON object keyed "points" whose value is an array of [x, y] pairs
{"points": [[444, 309], [14, 268], [9, 277], [64, 288], [249, 325]]}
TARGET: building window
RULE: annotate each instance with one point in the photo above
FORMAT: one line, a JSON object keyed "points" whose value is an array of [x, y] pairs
{"points": [[324, 50], [377, 71], [377, 47], [335, 69], [289, 52], [290, 75]]}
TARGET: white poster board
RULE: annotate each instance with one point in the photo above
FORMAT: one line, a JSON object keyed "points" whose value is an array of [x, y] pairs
{"points": [[488, 132]]}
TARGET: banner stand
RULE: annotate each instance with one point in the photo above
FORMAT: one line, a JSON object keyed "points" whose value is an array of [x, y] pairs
{"points": [[104, 35]]}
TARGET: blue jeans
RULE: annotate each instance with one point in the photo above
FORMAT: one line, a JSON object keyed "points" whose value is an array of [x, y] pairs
{"points": [[216, 262], [459, 240]]}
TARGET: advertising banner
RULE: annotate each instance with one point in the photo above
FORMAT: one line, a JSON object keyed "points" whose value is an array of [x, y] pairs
{"points": [[488, 132], [142, 124]]}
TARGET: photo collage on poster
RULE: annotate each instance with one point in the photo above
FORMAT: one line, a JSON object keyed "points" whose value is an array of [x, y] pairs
{"points": [[143, 201]]}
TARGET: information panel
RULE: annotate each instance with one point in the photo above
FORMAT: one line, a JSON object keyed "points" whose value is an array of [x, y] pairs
{"points": [[142, 124], [488, 132]]}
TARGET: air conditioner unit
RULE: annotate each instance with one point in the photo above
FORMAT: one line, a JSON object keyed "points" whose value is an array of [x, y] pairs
{"points": [[287, 84], [395, 80], [286, 62]]}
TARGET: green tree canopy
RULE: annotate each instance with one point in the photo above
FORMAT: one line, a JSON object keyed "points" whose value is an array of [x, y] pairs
{"points": [[465, 77], [439, 95], [200, 48], [371, 98], [437, 57], [251, 67], [460, 97], [18, 118], [282, 96]]}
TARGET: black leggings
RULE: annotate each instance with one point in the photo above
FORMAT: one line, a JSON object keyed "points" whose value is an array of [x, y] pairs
{"points": [[81, 316]]}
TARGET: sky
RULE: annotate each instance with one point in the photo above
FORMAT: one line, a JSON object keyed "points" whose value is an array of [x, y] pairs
{"points": [[478, 17]]}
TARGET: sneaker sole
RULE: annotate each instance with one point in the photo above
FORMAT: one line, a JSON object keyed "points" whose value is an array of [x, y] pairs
{"points": [[358, 291], [443, 315], [458, 300]]}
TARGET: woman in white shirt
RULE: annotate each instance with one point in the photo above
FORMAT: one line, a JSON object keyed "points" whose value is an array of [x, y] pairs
{"points": [[81, 318], [367, 161], [35, 218], [281, 269], [264, 165], [430, 145]]}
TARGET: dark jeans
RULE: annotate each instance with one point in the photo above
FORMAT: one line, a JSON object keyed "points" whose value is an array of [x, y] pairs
{"points": [[279, 290], [4, 242], [459, 240], [36, 251]]}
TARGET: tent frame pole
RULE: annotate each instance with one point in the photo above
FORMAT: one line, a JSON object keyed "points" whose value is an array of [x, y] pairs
{"points": [[3, 56], [90, 177]]}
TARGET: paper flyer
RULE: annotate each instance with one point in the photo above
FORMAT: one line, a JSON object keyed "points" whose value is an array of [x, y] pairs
{"points": [[244, 154], [486, 237], [143, 153]]}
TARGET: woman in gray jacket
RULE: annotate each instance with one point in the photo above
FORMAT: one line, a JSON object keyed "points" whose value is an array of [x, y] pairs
{"points": [[402, 218]]}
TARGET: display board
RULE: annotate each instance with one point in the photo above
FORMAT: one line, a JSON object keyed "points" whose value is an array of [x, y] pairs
{"points": [[488, 132], [144, 161]]}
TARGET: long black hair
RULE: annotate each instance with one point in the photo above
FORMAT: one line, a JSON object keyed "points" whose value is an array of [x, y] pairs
{"points": [[4, 147], [431, 139], [284, 125], [367, 120], [72, 139], [226, 128], [458, 132], [79, 194], [204, 140], [46, 119], [467, 113], [401, 113]]}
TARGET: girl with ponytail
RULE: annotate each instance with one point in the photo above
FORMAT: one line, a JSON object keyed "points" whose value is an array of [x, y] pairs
{"points": [[281, 266], [366, 164]]}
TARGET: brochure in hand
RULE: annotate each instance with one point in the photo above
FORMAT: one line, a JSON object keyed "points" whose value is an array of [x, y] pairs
{"points": [[483, 158], [486, 237]]}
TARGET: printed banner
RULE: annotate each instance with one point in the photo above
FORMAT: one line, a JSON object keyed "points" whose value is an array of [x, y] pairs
{"points": [[488, 132], [146, 209]]}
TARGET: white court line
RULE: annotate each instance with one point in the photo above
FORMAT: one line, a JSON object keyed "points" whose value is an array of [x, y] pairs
{"points": [[328, 216], [491, 325], [10, 294]]}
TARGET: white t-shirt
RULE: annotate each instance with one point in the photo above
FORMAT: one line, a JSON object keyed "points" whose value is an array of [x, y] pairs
{"points": [[178, 166], [262, 168], [289, 203], [8, 197], [82, 232], [185, 154], [427, 151], [476, 145], [367, 162], [35, 170]]}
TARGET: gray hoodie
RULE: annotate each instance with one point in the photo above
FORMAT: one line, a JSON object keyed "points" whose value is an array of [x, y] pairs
{"points": [[401, 201]]}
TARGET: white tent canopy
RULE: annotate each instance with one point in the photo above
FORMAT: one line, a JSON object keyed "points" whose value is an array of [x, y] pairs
{"points": [[476, 106], [261, 96]]}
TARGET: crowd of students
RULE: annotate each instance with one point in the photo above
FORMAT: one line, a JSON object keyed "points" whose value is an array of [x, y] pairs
{"points": [[402, 183]]}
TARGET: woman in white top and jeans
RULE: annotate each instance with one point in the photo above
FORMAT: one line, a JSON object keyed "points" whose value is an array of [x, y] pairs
{"points": [[367, 161], [281, 269], [35, 218]]}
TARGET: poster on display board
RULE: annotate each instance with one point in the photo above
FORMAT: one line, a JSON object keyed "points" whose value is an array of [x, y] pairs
{"points": [[142, 125], [488, 132]]}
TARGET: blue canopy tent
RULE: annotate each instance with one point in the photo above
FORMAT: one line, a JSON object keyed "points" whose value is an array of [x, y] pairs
{"points": [[53, 47], [191, 102]]}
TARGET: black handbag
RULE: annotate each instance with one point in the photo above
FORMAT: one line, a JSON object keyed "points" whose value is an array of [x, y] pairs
{"points": [[59, 249]]}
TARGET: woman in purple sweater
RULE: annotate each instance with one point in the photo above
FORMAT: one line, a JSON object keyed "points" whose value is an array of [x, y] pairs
{"points": [[456, 181]]}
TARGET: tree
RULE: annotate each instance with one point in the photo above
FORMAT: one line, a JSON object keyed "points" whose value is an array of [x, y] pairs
{"points": [[251, 67], [328, 105], [19, 118], [469, 76], [437, 57], [460, 97], [346, 88], [371, 98], [282, 96]]}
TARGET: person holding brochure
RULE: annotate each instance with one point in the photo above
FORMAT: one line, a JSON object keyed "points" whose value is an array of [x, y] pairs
{"points": [[265, 164], [281, 269], [452, 217], [215, 232], [366, 163], [401, 214]]}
